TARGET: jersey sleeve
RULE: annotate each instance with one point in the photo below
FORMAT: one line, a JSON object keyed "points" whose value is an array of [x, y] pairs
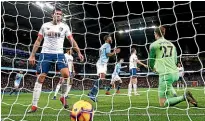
{"points": [[135, 58], [108, 49], [152, 56], [41, 31], [68, 32]]}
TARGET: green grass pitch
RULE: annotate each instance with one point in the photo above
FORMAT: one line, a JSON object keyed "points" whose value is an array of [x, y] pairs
{"points": [[115, 107]]}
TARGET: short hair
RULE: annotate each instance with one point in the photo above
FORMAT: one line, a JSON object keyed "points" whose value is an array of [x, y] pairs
{"points": [[133, 50], [160, 31], [106, 37], [68, 50], [56, 9]]}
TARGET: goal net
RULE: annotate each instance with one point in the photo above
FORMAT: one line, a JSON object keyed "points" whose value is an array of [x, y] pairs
{"points": [[131, 25]]}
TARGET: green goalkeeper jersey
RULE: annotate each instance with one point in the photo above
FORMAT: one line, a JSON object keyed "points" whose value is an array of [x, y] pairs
{"points": [[163, 57]]}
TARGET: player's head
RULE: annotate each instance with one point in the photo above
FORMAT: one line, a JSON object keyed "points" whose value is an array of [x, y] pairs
{"points": [[57, 14], [179, 64], [133, 51], [159, 32], [121, 60], [108, 38], [20, 72], [69, 51]]}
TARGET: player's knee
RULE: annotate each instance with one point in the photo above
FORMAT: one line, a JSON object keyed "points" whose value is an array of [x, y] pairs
{"points": [[41, 78], [65, 75]]}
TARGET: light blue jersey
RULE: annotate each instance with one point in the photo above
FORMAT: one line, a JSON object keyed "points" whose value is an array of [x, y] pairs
{"points": [[104, 50], [117, 69], [18, 78]]}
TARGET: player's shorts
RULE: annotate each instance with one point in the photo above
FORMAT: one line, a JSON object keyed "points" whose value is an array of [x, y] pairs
{"points": [[133, 72], [101, 68], [16, 84], [46, 59], [115, 78], [166, 84]]}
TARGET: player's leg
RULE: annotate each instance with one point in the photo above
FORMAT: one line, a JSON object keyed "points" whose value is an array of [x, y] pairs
{"points": [[135, 86], [62, 66], [101, 71], [173, 91], [14, 89], [165, 88], [57, 89], [182, 82], [178, 85], [69, 84], [37, 91], [130, 86], [111, 85], [133, 73], [119, 85], [42, 70]]}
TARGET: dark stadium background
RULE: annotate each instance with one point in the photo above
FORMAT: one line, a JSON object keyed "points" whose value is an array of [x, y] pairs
{"points": [[90, 21]]}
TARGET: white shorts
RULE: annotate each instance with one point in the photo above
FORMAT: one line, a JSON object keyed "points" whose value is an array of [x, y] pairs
{"points": [[101, 68], [16, 84], [115, 78]]}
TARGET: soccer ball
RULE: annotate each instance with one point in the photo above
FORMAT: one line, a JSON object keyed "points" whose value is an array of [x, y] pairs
{"points": [[81, 111]]}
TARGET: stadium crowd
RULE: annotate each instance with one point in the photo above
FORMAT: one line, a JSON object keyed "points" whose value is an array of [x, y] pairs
{"points": [[18, 59], [83, 82]]}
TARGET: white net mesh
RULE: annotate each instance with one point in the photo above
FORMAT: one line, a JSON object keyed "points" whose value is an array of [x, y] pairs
{"points": [[130, 24]]}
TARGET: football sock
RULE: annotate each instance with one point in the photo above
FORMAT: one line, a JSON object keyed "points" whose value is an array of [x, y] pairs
{"points": [[108, 89], [94, 90], [64, 88], [135, 88], [13, 90], [36, 93], [118, 88], [177, 86], [129, 89], [16, 91], [68, 89], [57, 89]]}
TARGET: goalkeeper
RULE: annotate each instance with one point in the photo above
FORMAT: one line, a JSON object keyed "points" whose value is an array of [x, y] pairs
{"points": [[163, 59]]}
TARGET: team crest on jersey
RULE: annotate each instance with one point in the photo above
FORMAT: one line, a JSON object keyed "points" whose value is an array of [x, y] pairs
{"points": [[60, 29], [47, 28]]}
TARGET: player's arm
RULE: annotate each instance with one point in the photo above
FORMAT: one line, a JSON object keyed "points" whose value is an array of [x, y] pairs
{"points": [[73, 42], [123, 67], [139, 62], [152, 56], [109, 53], [36, 46]]}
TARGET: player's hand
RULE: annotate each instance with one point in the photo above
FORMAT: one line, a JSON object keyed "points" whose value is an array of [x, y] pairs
{"points": [[117, 50], [32, 60], [145, 66], [81, 57], [138, 69]]}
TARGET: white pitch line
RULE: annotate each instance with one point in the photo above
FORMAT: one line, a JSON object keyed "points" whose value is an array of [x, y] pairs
{"points": [[140, 114]]}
